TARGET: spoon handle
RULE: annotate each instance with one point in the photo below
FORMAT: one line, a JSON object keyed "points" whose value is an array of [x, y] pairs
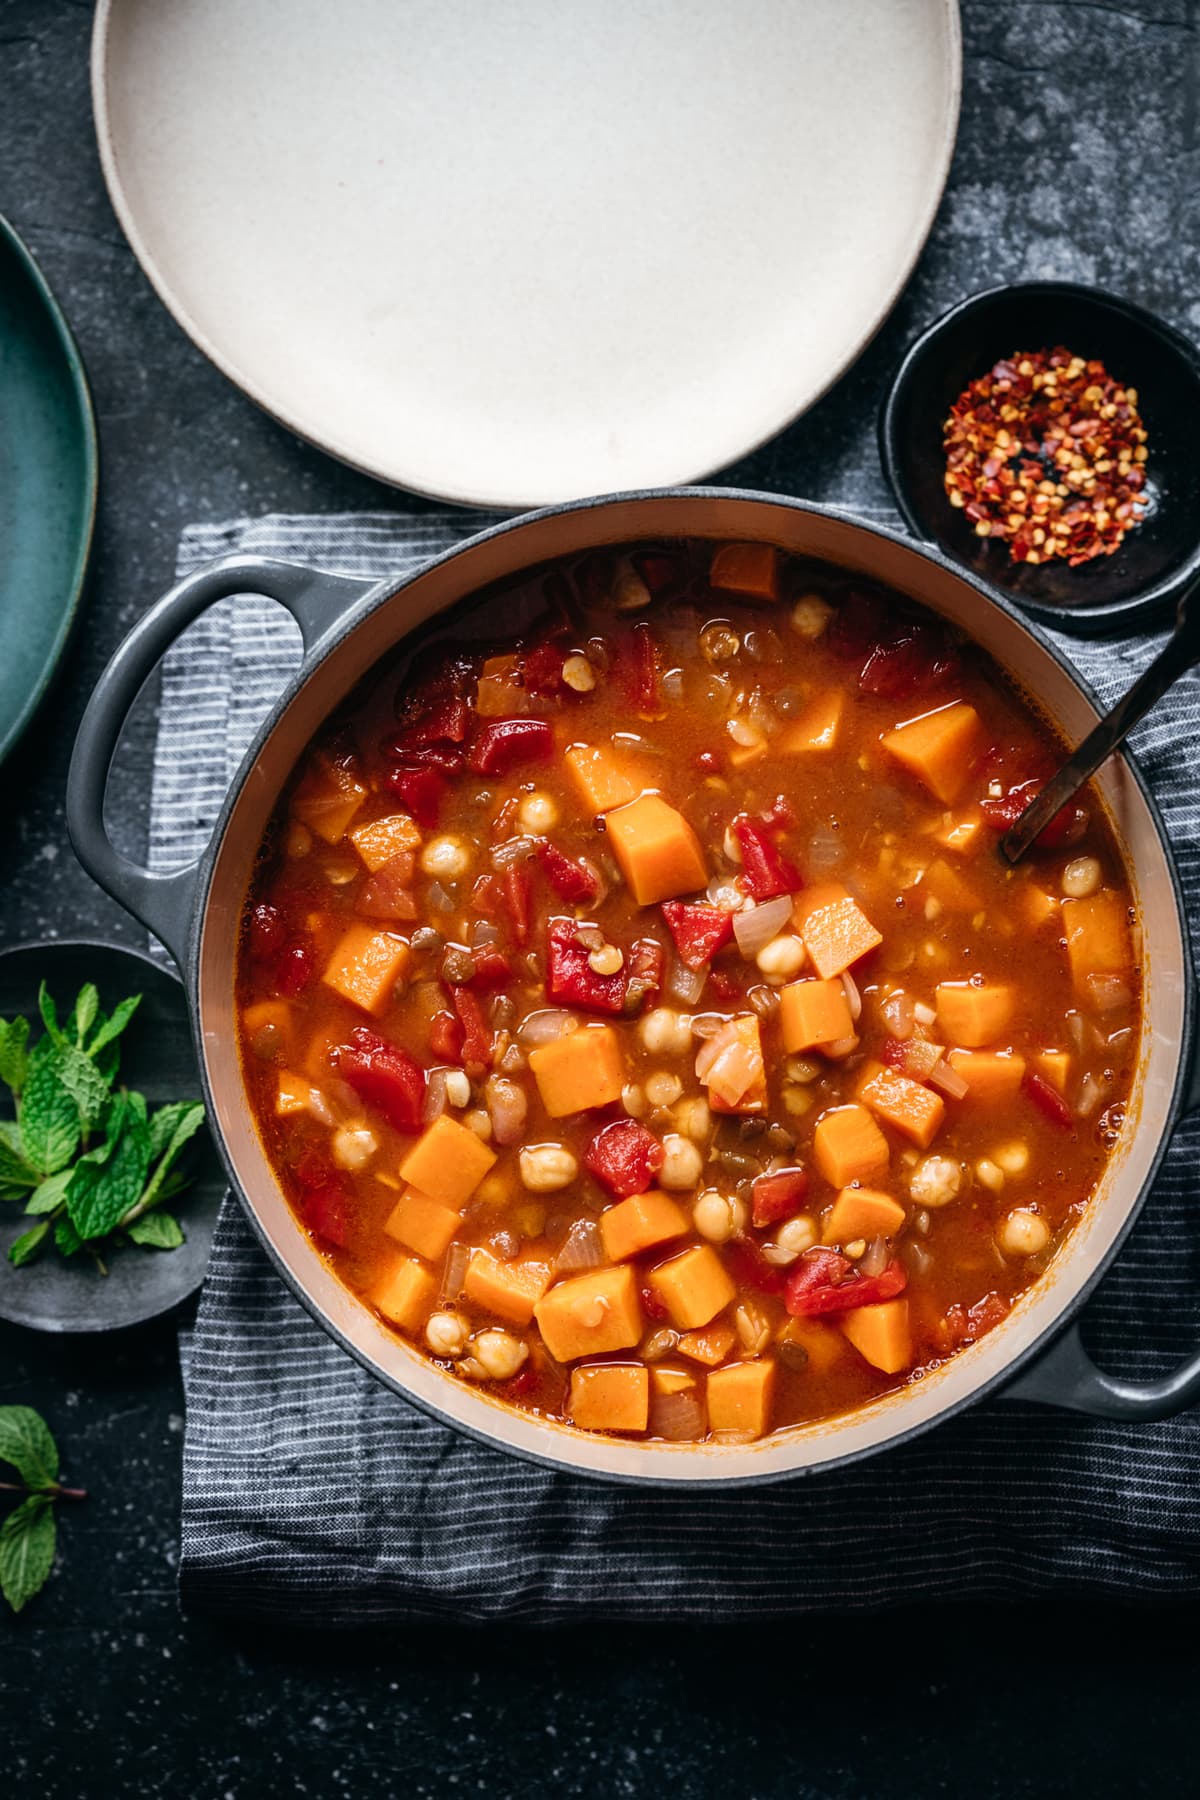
{"points": [[1180, 653]]}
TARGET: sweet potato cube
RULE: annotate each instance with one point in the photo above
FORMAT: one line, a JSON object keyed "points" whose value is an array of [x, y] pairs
{"points": [[610, 1397], [382, 839], [405, 1294], [656, 849], [1097, 934], [327, 799], [590, 1314], [267, 1012], [973, 1016], [849, 1146], [746, 569], [909, 1107], [422, 1224], [510, 1290], [498, 692], [1054, 1066], [602, 780], [813, 1013], [710, 1346], [960, 832], [862, 1213], [366, 965], [297, 1094], [992, 1076], [947, 887], [740, 1397], [816, 729], [581, 1070], [1038, 907], [881, 1334], [834, 928], [823, 1345], [940, 748], [447, 1162], [639, 1223], [693, 1287]]}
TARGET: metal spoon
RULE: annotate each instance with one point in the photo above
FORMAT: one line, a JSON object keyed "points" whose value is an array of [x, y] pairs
{"points": [[1178, 655]]}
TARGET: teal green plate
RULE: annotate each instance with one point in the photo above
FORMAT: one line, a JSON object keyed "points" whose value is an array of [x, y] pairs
{"points": [[48, 464]]}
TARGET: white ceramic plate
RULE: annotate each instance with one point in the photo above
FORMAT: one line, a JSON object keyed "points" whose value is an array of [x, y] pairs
{"points": [[514, 251]]}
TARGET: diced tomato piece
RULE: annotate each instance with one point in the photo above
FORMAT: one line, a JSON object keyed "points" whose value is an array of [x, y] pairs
{"points": [[749, 1267], [329, 1213], [858, 625], [447, 721], [542, 669], [653, 1305], [387, 894], [294, 967], [782, 813], [476, 1050], [965, 1325], [492, 969], [765, 871], [707, 762], [914, 660], [643, 675], [385, 1077], [725, 985], [1068, 823], [574, 881], [699, 931], [645, 965], [445, 1037], [502, 744], [778, 1196], [487, 898], [421, 791], [915, 1057], [265, 934], [657, 570], [1048, 1100], [517, 897], [570, 979], [825, 1282], [625, 1157]]}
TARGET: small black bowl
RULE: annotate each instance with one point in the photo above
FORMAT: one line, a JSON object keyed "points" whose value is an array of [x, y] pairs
{"points": [[157, 1058], [1157, 558]]}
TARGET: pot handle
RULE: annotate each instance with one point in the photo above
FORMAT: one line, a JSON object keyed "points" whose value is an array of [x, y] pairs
{"points": [[316, 600], [1065, 1376]]}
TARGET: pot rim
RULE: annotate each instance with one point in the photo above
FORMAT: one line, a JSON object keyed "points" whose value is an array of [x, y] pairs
{"points": [[989, 1386]]}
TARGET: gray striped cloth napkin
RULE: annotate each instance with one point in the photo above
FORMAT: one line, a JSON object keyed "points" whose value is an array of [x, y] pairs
{"points": [[311, 1492]]}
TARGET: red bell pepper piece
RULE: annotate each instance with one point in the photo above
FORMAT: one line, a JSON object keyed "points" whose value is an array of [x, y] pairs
{"points": [[487, 898], [571, 981], [643, 676], [824, 1281], [1048, 1100], [476, 1050], [699, 931], [749, 1267], [502, 744], [778, 1196], [765, 871], [329, 1212], [517, 897], [625, 1157], [542, 669], [1068, 823], [295, 967], [421, 791], [445, 1037], [576, 882], [385, 1076], [492, 969]]}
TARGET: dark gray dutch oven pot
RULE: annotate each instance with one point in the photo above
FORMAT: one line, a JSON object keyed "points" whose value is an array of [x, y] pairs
{"points": [[347, 626]]}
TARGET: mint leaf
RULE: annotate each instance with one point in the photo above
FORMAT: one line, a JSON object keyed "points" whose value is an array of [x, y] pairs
{"points": [[27, 1443], [100, 1192], [22, 1250], [187, 1124], [85, 1084], [66, 1237], [163, 1123], [83, 1014], [157, 1231], [14, 1035], [16, 1177], [113, 1027], [27, 1540], [49, 1014], [50, 1193], [49, 1117]]}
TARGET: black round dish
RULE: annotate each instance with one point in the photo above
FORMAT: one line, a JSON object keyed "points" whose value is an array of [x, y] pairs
{"points": [[1146, 574], [157, 1058]]}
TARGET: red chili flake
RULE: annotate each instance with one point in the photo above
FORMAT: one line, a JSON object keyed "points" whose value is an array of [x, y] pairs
{"points": [[1047, 453]]}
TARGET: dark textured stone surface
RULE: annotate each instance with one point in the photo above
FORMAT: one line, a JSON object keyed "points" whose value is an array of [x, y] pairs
{"points": [[1077, 157]]}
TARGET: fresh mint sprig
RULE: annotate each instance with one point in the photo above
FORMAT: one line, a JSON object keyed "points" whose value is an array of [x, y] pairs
{"points": [[87, 1158], [29, 1534]]}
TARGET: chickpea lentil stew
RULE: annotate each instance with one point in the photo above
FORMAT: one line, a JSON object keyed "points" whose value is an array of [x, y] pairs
{"points": [[639, 1014]]}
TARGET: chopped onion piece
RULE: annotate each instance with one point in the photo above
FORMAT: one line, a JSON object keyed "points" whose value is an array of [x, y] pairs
{"points": [[1109, 991], [685, 985], [759, 924], [581, 1248], [943, 1076], [825, 850], [438, 898], [852, 995], [513, 850], [455, 1271], [544, 1026], [1092, 1090], [898, 1014], [875, 1258], [725, 893], [435, 1095], [923, 1014], [678, 1417], [507, 1107]]}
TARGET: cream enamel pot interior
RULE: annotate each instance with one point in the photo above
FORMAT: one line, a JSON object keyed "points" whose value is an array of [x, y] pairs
{"points": [[346, 627]]}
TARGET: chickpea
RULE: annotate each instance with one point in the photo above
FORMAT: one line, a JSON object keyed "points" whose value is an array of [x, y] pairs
{"points": [[537, 813], [478, 1121], [1081, 878], [633, 1100], [353, 1147], [782, 958], [990, 1174], [1023, 1233], [299, 839], [445, 858], [797, 1100], [579, 674], [665, 1032], [793, 1238], [630, 592], [458, 1088], [811, 615], [499, 1354], [935, 1181], [663, 1089], [683, 1164], [1012, 1158], [718, 1217], [547, 1167], [804, 1068], [446, 1334], [694, 1119]]}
